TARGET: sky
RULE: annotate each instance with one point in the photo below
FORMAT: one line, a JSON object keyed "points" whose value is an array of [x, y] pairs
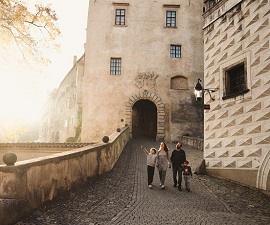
{"points": [[23, 91]]}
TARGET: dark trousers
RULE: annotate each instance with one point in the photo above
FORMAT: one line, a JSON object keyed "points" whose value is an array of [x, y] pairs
{"points": [[162, 176], [187, 181], [150, 173], [177, 170]]}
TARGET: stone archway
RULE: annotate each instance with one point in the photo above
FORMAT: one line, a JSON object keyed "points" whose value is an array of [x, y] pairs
{"points": [[263, 178], [160, 111], [144, 119]]}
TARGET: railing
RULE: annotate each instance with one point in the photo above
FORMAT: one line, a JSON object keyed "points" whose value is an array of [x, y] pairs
{"points": [[210, 3], [25, 151], [193, 141], [30, 183]]}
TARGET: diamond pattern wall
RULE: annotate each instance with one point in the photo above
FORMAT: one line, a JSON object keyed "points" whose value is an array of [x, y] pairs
{"points": [[237, 130]]}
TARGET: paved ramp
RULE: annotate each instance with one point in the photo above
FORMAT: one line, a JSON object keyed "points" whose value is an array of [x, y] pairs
{"points": [[123, 197]]}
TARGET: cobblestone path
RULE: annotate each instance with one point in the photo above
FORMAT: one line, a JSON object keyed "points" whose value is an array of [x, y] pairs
{"points": [[123, 197]]}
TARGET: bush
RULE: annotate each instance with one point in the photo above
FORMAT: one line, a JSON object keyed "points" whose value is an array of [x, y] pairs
{"points": [[71, 139]]}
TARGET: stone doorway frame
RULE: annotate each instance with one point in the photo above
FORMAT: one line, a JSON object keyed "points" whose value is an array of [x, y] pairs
{"points": [[263, 173], [145, 95]]}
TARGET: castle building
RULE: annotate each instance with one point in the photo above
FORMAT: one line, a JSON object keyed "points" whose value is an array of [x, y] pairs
{"points": [[237, 63], [142, 61], [61, 117]]}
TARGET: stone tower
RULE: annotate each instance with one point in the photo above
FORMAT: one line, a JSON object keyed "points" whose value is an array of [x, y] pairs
{"points": [[142, 61]]}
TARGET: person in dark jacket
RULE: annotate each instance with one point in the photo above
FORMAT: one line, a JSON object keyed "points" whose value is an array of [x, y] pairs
{"points": [[178, 157]]}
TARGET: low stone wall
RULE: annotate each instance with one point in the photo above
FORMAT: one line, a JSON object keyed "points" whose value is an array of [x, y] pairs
{"points": [[25, 151], [33, 182], [193, 141]]}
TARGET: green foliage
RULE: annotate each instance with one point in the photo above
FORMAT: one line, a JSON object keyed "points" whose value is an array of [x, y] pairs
{"points": [[11, 134], [71, 139], [78, 128]]}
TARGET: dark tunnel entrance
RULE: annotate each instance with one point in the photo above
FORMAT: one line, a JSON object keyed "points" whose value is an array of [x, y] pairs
{"points": [[144, 119]]}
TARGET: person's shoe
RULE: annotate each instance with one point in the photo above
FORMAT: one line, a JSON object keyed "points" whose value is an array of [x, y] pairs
{"points": [[162, 187], [188, 190], [175, 185], [179, 188], [150, 186]]}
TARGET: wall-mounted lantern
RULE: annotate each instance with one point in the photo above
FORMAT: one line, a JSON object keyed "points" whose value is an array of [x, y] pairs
{"points": [[199, 91]]}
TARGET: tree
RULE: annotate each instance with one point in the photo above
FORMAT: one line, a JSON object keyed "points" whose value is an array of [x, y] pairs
{"points": [[32, 29], [11, 135]]}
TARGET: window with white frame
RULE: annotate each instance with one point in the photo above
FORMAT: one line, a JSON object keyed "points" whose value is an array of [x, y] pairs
{"points": [[175, 51], [170, 18], [115, 66], [66, 123], [120, 17]]}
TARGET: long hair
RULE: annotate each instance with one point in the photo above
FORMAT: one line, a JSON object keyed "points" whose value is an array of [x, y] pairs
{"points": [[165, 147]]}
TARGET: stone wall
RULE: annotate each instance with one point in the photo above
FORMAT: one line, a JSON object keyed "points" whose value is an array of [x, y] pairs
{"points": [[193, 141], [236, 136], [33, 182], [25, 151], [61, 114], [148, 71]]}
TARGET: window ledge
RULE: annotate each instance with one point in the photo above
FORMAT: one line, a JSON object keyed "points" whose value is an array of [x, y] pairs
{"points": [[120, 25], [171, 6], [235, 94], [170, 27], [120, 4]]}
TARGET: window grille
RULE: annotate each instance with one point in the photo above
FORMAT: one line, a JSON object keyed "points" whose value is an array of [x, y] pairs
{"points": [[115, 66], [235, 81], [175, 51], [120, 17], [171, 19]]}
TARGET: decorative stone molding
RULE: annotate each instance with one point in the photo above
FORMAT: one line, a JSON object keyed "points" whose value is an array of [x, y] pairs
{"points": [[160, 111], [10, 158], [263, 173], [147, 79]]}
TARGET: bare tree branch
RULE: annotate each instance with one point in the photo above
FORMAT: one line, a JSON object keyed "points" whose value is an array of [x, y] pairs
{"points": [[26, 26]]}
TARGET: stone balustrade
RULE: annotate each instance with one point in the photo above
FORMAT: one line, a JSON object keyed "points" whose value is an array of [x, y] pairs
{"points": [[30, 183], [193, 141], [25, 151]]}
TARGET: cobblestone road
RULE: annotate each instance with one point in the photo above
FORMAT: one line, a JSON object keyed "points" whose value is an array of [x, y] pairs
{"points": [[122, 197]]}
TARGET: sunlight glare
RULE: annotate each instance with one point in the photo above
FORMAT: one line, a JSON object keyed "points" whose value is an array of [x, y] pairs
{"points": [[24, 88]]}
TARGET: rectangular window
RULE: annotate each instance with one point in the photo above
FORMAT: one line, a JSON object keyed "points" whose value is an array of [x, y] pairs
{"points": [[175, 51], [66, 122], [235, 81], [120, 15], [115, 66], [170, 18]]}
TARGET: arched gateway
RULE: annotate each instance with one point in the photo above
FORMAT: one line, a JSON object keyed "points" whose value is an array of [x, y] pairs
{"points": [[145, 113]]}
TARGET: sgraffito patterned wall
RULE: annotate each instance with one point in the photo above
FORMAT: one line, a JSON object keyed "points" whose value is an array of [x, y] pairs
{"points": [[237, 130]]}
